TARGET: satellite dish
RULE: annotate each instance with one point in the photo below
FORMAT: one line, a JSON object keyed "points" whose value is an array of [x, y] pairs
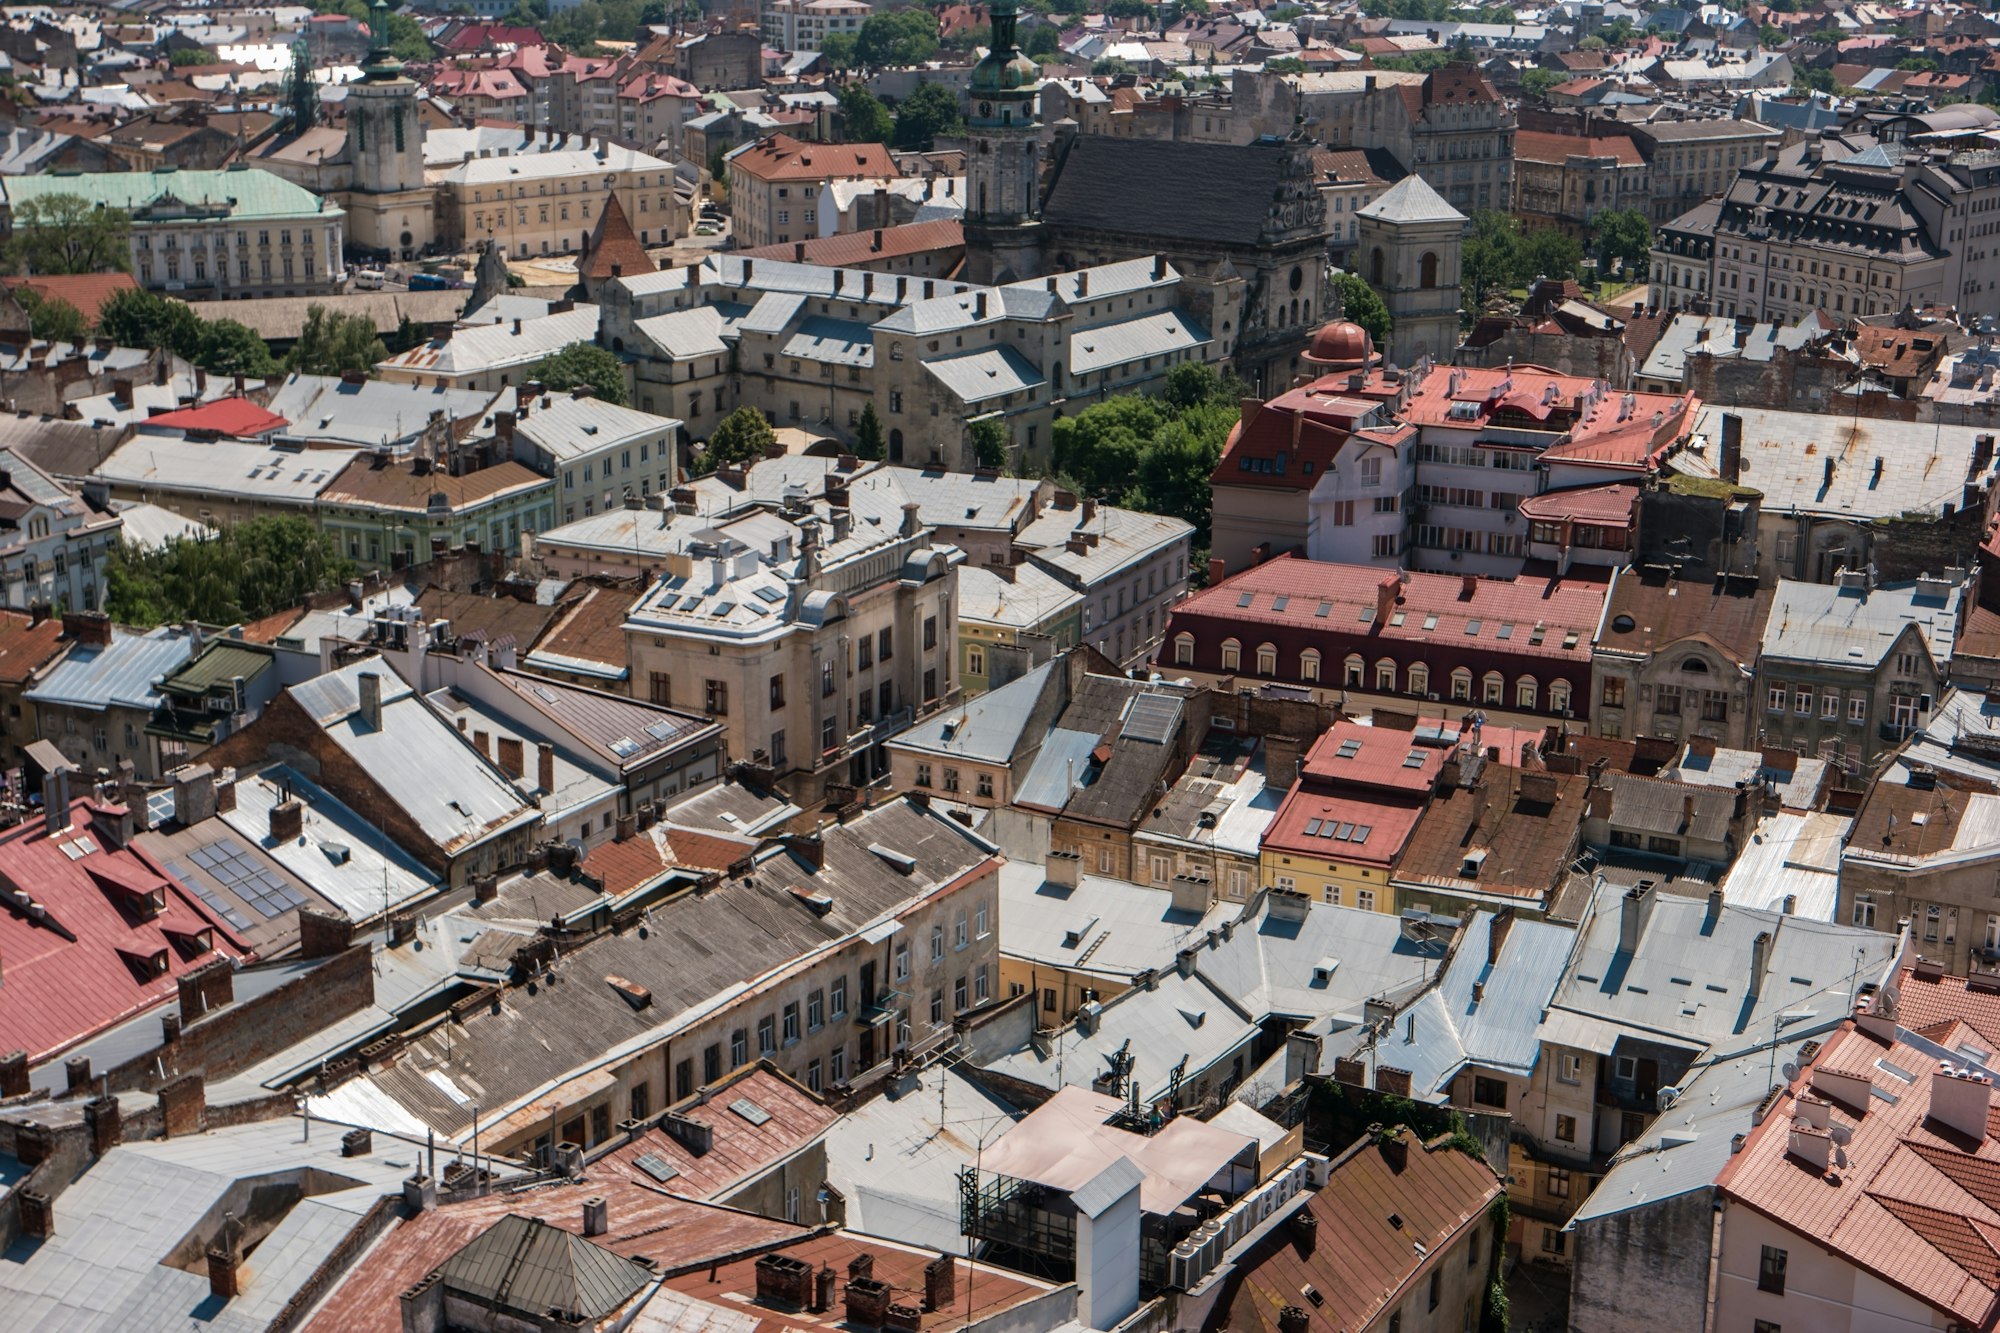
{"points": [[1841, 1135], [1840, 1158], [1667, 1097], [1791, 1071]]}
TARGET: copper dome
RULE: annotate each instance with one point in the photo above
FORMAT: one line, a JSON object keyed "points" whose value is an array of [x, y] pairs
{"points": [[1342, 345]]}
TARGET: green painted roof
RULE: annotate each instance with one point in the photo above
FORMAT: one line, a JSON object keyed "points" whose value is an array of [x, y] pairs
{"points": [[219, 663], [248, 194]]}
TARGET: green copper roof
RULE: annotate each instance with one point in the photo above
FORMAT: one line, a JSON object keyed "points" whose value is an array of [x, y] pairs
{"points": [[245, 194]]}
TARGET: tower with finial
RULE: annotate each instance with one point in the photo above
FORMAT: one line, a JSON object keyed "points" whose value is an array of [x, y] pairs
{"points": [[1003, 164], [391, 210]]}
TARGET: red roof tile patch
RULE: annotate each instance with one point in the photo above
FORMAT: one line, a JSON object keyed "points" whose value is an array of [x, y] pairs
{"points": [[1589, 504], [739, 1147], [86, 291], [1538, 146], [238, 418], [613, 248], [855, 249], [783, 158], [1382, 758]]}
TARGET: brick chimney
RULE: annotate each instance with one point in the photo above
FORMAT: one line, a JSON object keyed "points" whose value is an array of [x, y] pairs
{"points": [[323, 933], [1281, 761], [940, 1282], [225, 1257], [545, 766], [371, 699], [867, 1302], [14, 1074], [288, 820], [1395, 1146], [511, 757], [184, 1106]]}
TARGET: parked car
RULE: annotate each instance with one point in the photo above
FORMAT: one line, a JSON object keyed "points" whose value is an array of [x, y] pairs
{"points": [[368, 279], [428, 282]]}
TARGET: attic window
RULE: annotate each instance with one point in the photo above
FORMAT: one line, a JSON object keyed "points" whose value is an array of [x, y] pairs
{"points": [[1348, 749], [901, 862], [1246, 598], [750, 1111], [1414, 759], [1325, 609]]}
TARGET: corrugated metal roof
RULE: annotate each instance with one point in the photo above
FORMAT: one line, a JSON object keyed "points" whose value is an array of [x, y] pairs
{"points": [[524, 1266], [121, 674]]}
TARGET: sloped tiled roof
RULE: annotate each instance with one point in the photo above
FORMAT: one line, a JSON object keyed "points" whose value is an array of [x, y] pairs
{"points": [[525, 1266], [613, 245]]}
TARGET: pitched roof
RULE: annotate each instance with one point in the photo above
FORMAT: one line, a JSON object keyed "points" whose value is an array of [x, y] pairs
{"points": [[1411, 199], [1539, 146], [524, 1266], [238, 418], [613, 246], [783, 158], [1223, 192], [86, 291], [1385, 1215], [857, 248], [741, 1144]]}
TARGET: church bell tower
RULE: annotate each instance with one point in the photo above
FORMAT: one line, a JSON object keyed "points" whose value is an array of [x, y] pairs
{"points": [[1003, 170]]}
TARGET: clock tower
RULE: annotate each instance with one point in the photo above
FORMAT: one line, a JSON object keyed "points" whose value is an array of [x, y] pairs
{"points": [[1003, 167], [390, 207]]}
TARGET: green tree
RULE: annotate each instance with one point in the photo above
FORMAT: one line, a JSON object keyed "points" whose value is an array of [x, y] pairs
{"points": [[1284, 65], [247, 571], [1177, 464], [1360, 303], [1624, 235], [1548, 252], [407, 40], [863, 118], [1422, 62], [1042, 40], [1490, 256], [837, 50], [743, 437], [332, 343], [1098, 448], [1110, 66], [990, 442], [229, 348], [192, 56], [583, 363], [1537, 82], [301, 92], [66, 233], [899, 37], [970, 39], [1918, 64], [1770, 38], [1812, 81], [931, 109], [53, 319], [868, 441], [146, 319]]}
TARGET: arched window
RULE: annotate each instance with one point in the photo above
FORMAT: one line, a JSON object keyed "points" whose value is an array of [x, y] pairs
{"points": [[1267, 659], [1375, 267], [1351, 672], [1461, 685], [1232, 655], [1695, 664], [1385, 676], [1309, 664], [1427, 269], [1419, 678], [1525, 693], [1558, 696], [1492, 687], [895, 446], [1184, 650]]}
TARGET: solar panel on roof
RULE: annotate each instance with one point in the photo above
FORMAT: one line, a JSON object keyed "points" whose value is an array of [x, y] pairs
{"points": [[235, 869], [656, 1166], [749, 1110], [1153, 718], [183, 872]]}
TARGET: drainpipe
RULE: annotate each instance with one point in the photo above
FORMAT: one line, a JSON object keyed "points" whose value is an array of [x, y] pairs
{"points": [[1714, 1264]]}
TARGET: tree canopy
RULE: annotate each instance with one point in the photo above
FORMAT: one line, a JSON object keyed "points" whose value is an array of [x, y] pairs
{"points": [[931, 109], [1360, 303], [583, 363], [1625, 236], [53, 319], [863, 118], [220, 346], [743, 437], [332, 343], [989, 442], [837, 49], [247, 571], [868, 440], [898, 37], [66, 233]]}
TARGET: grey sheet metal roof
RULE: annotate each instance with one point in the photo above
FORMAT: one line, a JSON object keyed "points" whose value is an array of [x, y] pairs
{"points": [[991, 372], [525, 1266], [1064, 756], [122, 674], [840, 342], [989, 727], [1851, 627], [1127, 340]]}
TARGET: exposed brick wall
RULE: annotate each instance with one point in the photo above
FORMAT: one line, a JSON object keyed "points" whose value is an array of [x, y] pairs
{"points": [[236, 1036], [184, 1106], [208, 987], [285, 726]]}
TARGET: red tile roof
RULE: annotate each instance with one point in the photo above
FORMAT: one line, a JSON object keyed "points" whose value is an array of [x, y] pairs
{"points": [[1924, 1001], [1382, 1227], [783, 158], [644, 1222], [1290, 441], [86, 291], [484, 36], [1319, 820], [984, 1291], [738, 1149], [1588, 421], [237, 417], [1538, 146], [1611, 503], [1917, 1204], [1376, 758], [25, 647], [856, 249], [67, 975], [624, 866], [613, 245]]}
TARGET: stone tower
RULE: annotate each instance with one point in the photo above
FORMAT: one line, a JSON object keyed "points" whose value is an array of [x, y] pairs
{"points": [[1408, 246], [390, 209], [1003, 167]]}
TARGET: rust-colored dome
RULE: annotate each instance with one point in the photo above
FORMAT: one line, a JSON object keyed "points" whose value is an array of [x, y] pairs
{"points": [[1342, 345]]}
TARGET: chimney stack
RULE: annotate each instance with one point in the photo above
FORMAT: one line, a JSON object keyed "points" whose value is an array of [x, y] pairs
{"points": [[371, 699], [512, 757], [545, 766], [1760, 961], [1961, 1100], [596, 1216], [1730, 461], [1633, 910], [288, 820]]}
